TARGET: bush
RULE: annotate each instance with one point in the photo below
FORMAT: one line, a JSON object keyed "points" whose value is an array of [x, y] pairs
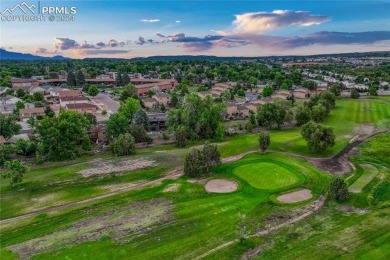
{"points": [[318, 137], [124, 144], [104, 112], [165, 136], [199, 162], [264, 141], [181, 137], [339, 190], [354, 93]]}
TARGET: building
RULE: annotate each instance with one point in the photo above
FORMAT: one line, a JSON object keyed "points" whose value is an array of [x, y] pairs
{"points": [[231, 110], [282, 94], [243, 111], [157, 121], [31, 112], [82, 108], [301, 93], [103, 76], [69, 93], [162, 98], [142, 86], [2, 140], [149, 102], [8, 104], [72, 100], [97, 133], [25, 84]]}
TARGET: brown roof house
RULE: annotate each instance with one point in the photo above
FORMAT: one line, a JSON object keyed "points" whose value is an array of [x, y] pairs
{"points": [[97, 133], [162, 98], [25, 84], [69, 93], [31, 112], [73, 100], [82, 108], [231, 110], [149, 102]]}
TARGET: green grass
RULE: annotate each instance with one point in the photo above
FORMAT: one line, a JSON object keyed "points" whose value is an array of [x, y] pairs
{"points": [[369, 172], [267, 175], [346, 119], [198, 217]]}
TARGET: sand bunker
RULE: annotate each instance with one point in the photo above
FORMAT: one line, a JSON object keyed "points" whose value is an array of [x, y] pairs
{"points": [[172, 187], [295, 196], [221, 186], [107, 167]]}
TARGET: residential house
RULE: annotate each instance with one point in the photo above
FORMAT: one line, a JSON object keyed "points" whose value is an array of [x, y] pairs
{"points": [[149, 102], [282, 94], [62, 75], [103, 76], [82, 108], [157, 121], [31, 112], [231, 110], [8, 104], [97, 133], [37, 89], [162, 98], [72, 100], [301, 93], [69, 93], [53, 91], [25, 84], [243, 111], [3, 91]]}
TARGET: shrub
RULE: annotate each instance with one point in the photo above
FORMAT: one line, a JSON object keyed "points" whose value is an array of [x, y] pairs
{"points": [[339, 190], [264, 140], [124, 144]]}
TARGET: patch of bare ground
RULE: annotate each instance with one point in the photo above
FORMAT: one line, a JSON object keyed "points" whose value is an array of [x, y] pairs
{"points": [[119, 186], [199, 181], [347, 210], [250, 254], [295, 196], [122, 224], [101, 167], [221, 186], [172, 187]]}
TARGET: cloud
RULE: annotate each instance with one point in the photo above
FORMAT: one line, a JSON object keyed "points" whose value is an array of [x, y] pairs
{"points": [[256, 23], [115, 43], [177, 21], [65, 43], [45, 51], [160, 35], [150, 20], [84, 52]]}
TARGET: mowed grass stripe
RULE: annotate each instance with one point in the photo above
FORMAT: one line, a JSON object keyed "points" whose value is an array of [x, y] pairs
{"points": [[369, 173], [367, 113]]}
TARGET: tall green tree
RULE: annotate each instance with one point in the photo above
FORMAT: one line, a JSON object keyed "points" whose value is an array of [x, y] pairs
{"points": [[318, 137], [354, 93], [181, 136], [302, 115], [124, 144], [61, 137], [71, 79], [129, 107], [339, 190], [271, 115], [211, 155], [142, 119], [116, 125], [128, 91], [80, 78], [125, 79], [267, 91], [9, 126], [264, 140], [14, 170], [93, 90]]}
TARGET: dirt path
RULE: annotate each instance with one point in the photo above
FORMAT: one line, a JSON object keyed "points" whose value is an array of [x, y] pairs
{"points": [[314, 207]]}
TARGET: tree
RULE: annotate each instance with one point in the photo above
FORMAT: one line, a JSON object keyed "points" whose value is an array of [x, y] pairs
{"points": [[80, 78], [181, 137], [252, 117], [194, 163], [129, 107], [124, 144], [125, 79], [174, 100], [310, 85], [128, 91], [318, 137], [354, 93], [319, 113], [139, 133], [9, 126], [60, 137], [339, 190], [15, 170], [6, 152], [24, 147], [20, 93], [116, 125], [264, 140], [302, 115], [49, 112], [336, 89], [211, 155], [373, 90], [38, 97], [19, 105], [267, 91], [71, 79], [142, 119], [119, 79], [271, 114], [91, 118], [93, 90]]}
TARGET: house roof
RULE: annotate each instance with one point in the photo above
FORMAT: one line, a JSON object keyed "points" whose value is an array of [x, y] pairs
{"points": [[34, 110], [149, 100], [73, 98], [80, 106], [18, 80], [69, 93]]}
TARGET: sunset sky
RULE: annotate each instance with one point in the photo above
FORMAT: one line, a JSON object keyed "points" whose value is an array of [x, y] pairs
{"points": [[129, 29]]}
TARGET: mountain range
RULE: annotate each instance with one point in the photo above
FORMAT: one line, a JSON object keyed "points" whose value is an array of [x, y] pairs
{"points": [[9, 55]]}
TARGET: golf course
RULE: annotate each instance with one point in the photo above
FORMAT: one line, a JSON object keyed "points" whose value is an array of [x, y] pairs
{"points": [[143, 207]]}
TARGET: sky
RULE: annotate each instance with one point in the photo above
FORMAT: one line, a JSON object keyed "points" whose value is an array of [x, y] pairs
{"points": [[126, 29]]}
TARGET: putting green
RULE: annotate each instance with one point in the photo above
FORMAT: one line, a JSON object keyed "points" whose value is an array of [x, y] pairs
{"points": [[267, 175]]}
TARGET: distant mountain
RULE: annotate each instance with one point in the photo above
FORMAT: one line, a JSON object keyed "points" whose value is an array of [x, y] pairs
{"points": [[9, 55]]}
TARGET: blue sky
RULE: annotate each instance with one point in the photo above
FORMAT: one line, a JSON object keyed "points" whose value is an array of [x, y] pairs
{"points": [[129, 28]]}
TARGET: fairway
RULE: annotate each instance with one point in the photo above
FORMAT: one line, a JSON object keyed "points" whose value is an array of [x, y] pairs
{"points": [[369, 173], [267, 176]]}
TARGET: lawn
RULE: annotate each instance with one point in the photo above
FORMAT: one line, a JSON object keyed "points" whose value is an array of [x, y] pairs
{"points": [[350, 117], [369, 172], [191, 217]]}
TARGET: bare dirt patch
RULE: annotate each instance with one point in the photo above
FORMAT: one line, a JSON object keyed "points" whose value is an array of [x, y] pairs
{"points": [[101, 168], [221, 186], [119, 186], [121, 223], [172, 187], [295, 196], [347, 210]]}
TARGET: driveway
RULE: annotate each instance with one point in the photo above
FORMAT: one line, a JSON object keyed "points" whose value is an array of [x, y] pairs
{"points": [[104, 102]]}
